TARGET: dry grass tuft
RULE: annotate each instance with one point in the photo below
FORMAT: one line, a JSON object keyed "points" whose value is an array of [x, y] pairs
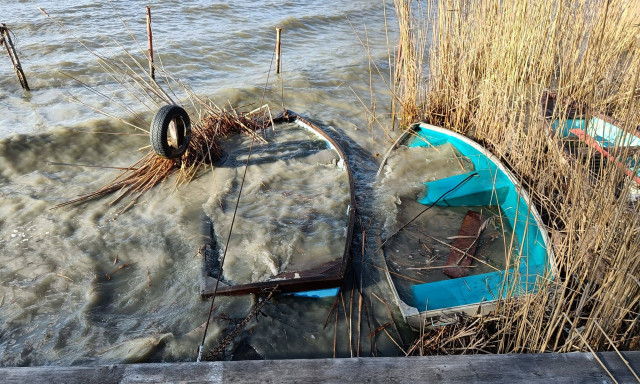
{"points": [[203, 149]]}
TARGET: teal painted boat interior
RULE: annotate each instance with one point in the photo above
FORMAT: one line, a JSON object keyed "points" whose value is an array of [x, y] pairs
{"points": [[564, 127], [487, 185], [606, 134], [609, 135], [318, 293]]}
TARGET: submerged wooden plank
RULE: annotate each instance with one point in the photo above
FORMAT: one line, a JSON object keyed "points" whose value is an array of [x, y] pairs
{"points": [[530, 368], [465, 244]]}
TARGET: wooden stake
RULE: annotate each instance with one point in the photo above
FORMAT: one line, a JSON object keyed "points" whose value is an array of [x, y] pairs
{"points": [[152, 69], [278, 35], [5, 39]]}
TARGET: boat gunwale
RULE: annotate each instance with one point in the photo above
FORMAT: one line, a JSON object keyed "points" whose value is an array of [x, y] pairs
{"points": [[309, 283]]}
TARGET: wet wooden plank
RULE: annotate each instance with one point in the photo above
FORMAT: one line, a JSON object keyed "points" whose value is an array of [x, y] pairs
{"points": [[467, 241], [531, 368], [208, 284]]}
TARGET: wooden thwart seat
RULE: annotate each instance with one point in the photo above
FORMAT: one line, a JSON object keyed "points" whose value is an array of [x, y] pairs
{"points": [[464, 246]]}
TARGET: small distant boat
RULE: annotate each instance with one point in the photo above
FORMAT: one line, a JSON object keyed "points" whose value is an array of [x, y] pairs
{"points": [[319, 281], [483, 184], [596, 132]]}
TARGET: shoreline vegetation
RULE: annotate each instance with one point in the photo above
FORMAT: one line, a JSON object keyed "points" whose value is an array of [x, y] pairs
{"points": [[481, 68]]}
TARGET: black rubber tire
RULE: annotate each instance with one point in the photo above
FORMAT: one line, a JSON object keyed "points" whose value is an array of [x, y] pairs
{"points": [[160, 128]]}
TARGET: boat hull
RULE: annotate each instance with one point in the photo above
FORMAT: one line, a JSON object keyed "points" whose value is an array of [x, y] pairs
{"points": [[489, 184], [322, 281]]}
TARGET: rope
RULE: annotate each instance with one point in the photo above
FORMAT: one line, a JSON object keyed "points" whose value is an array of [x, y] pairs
{"points": [[281, 86], [266, 83], [227, 340], [428, 208], [226, 247], [224, 255]]}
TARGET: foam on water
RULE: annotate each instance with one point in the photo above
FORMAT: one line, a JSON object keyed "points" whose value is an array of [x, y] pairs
{"points": [[293, 211], [63, 300], [407, 170]]}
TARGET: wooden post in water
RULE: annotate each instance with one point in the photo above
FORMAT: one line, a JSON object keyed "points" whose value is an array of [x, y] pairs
{"points": [[5, 39], [152, 69], [278, 35]]}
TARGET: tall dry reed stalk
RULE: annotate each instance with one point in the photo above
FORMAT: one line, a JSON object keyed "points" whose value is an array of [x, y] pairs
{"points": [[489, 64], [407, 75]]}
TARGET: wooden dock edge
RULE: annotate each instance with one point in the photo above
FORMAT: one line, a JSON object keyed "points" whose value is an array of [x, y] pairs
{"points": [[530, 368]]}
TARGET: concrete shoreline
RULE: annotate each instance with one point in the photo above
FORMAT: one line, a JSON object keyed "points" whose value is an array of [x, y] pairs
{"points": [[530, 368]]}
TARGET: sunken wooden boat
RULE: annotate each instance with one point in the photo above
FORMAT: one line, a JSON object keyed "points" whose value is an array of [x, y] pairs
{"points": [[587, 134], [481, 185], [318, 281]]}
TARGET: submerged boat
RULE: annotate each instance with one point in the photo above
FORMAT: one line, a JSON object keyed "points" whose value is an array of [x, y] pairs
{"points": [[584, 130], [482, 193], [298, 215]]}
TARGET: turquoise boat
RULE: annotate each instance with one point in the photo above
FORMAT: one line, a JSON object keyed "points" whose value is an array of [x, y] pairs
{"points": [[485, 183], [597, 132]]}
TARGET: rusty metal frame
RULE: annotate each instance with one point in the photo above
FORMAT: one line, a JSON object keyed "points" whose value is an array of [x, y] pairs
{"points": [[329, 275]]}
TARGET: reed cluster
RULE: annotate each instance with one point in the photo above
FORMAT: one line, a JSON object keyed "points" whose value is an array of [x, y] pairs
{"points": [[488, 67], [152, 88], [203, 149]]}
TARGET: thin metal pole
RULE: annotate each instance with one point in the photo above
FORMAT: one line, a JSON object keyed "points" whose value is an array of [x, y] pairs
{"points": [[278, 35], [152, 69]]}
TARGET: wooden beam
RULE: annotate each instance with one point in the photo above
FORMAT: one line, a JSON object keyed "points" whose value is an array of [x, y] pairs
{"points": [[617, 152], [529, 368], [152, 69], [5, 39], [465, 244], [278, 37]]}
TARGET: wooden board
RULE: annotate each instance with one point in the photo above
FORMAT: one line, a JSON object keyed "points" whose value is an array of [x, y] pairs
{"points": [[529, 368], [465, 244]]}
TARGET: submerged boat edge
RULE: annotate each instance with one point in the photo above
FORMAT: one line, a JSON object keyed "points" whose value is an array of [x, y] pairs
{"points": [[300, 284]]}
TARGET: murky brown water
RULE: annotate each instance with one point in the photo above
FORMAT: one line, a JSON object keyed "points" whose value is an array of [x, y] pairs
{"points": [[293, 214], [84, 285]]}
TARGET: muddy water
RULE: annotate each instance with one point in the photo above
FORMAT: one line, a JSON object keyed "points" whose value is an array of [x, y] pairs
{"points": [[85, 285], [293, 214]]}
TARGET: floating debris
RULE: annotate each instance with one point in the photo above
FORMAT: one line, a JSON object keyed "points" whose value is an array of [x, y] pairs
{"points": [[203, 148]]}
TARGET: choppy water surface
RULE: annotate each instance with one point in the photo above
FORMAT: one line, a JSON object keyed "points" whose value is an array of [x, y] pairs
{"points": [[84, 285], [294, 212]]}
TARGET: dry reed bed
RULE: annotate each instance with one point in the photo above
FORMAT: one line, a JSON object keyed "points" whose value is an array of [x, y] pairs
{"points": [[489, 64]]}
